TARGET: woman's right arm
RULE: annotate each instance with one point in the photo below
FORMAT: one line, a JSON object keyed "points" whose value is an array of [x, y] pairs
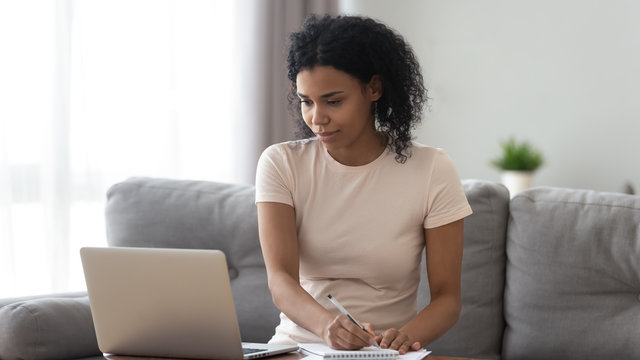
{"points": [[279, 241]]}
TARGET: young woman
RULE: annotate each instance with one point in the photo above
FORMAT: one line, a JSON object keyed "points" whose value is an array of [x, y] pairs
{"points": [[349, 211]]}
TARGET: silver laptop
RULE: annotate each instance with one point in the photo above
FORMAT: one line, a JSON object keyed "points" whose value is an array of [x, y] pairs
{"points": [[173, 303]]}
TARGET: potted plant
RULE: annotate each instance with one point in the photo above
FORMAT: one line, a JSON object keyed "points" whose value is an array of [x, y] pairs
{"points": [[518, 161]]}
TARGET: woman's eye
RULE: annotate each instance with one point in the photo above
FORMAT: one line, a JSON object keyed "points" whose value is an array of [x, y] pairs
{"points": [[305, 102], [333, 102]]}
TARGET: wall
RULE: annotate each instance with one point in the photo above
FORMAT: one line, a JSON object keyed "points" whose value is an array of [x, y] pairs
{"points": [[564, 75]]}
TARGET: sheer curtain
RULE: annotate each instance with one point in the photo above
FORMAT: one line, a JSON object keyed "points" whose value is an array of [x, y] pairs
{"points": [[93, 92], [262, 84]]}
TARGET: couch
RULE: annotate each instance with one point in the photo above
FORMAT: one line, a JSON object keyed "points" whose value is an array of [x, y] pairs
{"points": [[550, 274]]}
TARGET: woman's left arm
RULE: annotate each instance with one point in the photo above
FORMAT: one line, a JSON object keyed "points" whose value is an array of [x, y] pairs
{"points": [[444, 266]]}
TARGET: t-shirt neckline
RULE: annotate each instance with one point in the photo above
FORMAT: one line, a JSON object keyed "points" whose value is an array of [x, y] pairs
{"points": [[339, 166]]}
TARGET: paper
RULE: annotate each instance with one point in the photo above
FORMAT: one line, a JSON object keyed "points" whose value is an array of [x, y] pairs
{"points": [[323, 351], [415, 355]]}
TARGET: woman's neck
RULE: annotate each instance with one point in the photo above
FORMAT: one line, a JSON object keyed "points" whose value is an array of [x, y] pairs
{"points": [[365, 151]]}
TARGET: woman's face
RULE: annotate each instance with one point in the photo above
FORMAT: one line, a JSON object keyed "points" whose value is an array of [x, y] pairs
{"points": [[337, 107]]}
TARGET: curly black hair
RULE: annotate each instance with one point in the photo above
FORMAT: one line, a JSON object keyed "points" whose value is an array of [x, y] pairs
{"points": [[363, 47]]}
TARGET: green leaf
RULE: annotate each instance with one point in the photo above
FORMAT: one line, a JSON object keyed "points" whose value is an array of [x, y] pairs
{"points": [[518, 156]]}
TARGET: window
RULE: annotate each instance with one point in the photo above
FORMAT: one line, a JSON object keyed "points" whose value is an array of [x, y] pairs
{"points": [[93, 92]]}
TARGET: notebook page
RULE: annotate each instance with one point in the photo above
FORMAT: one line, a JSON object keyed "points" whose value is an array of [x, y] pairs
{"points": [[323, 351]]}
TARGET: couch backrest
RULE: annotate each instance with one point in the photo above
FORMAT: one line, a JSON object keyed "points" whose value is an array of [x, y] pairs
{"points": [[478, 332], [573, 276], [148, 212]]}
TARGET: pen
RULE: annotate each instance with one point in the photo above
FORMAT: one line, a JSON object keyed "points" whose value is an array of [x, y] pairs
{"points": [[344, 311]]}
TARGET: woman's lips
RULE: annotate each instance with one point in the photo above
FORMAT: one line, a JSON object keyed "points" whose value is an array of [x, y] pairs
{"points": [[327, 135]]}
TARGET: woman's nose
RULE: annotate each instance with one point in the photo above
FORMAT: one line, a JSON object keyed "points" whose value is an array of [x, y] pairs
{"points": [[319, 117]]}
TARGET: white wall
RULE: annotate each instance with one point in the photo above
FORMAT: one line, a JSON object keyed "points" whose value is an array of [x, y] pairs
{"points": [[564, 75]]}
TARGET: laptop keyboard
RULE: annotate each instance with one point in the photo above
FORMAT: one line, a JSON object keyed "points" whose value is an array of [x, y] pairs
{"points": [[250, 350]]}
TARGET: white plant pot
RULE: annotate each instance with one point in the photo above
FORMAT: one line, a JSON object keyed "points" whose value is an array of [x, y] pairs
{"points": [[517, 181]]}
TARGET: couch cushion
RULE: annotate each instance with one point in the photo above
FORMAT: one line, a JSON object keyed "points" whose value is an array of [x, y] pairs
{"points": [[478, 332], [48, 328], [74, 294], [573, 276], [167, 213]]}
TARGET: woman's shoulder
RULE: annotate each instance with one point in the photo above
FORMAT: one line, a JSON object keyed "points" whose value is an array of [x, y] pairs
{"points": [[294, 149], [422, 151], [295, 145]]}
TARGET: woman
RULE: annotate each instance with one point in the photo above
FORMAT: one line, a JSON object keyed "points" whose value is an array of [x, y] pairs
{"points": [[349, 211]]}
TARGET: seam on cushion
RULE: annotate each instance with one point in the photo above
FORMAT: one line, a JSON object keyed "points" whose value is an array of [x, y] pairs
{"points": [[576, 203], [496, 235], [502, 321], [491, 202], [494, 222], [170, 188], [38, 332]]}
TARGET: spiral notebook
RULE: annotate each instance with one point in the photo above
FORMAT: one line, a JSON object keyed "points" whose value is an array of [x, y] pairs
{"points": [[325, 352], [322, 351]]}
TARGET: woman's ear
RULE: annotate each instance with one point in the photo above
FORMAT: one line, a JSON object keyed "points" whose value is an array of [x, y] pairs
{"points": [[374, 87]]}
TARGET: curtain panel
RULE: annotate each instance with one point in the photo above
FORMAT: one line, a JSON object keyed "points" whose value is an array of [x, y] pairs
{"points": [[262, 84], [93, 92]]}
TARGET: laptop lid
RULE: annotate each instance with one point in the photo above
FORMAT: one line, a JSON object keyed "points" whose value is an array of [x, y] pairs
{"points": [[162, 302]]}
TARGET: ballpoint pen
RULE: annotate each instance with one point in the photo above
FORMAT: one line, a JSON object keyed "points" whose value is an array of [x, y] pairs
{"points": [[344, 311]]}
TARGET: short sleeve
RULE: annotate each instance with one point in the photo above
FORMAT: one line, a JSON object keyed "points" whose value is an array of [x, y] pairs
{"points": [[273, 180], [446, 201]]}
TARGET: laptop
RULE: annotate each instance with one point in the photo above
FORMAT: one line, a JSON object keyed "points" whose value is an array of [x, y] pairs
{"points": [[174, 303]]}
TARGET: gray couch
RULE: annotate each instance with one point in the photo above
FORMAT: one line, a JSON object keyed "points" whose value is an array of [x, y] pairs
{"points": [[551, 274]]}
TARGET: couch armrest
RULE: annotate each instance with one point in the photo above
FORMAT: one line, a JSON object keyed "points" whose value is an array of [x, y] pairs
{"points": [[56, 327], [11, 300]]}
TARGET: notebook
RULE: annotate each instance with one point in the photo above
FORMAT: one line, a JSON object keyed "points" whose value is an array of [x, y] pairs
{"points": [[322, 351], [325, 352], [165, 303]]}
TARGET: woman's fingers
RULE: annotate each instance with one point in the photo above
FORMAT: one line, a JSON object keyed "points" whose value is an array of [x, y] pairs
{"points": [[397, 340], [369, 328], [343, 334]]}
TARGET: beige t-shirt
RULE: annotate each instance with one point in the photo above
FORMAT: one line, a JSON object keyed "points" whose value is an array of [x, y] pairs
{"points": [[360, 229]]}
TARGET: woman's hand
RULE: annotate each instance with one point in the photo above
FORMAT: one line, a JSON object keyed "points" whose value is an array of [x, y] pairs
{"points": [[342, 334], [396, 340]]}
